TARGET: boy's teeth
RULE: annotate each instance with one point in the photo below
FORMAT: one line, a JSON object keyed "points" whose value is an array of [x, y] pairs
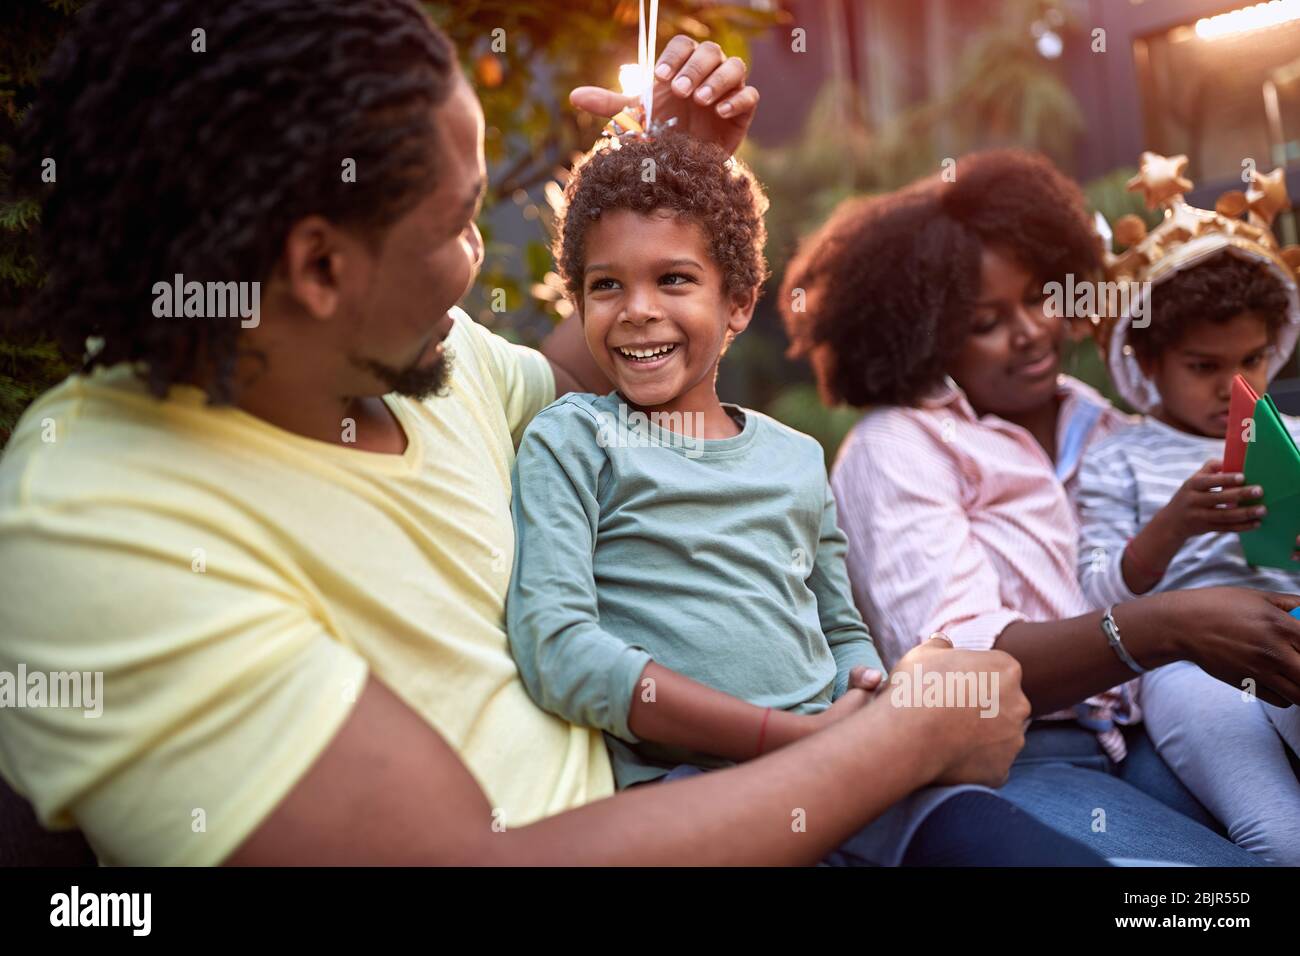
{"points": [[644, 354]]}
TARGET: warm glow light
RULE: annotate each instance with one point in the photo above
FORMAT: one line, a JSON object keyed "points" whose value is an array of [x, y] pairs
{"points": [[1049, 45], [632, 78], [1248, 18]]}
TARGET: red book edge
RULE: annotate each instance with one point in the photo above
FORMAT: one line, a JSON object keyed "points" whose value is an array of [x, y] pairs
{"points": [[1240, 407]]}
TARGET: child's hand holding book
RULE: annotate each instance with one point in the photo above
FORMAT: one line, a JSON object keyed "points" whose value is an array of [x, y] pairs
{"points": [[1211, 501]]}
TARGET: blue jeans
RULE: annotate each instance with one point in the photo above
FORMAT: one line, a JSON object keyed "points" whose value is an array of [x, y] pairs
{"points": [[952, 826], [1137, 809], [1046, 813]]}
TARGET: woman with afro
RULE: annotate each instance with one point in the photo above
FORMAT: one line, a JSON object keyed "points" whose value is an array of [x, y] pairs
{"points": [[927, 309]]}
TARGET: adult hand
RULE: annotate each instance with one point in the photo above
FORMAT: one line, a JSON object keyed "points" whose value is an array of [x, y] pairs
{"points": [[972, 744], [1244, 637], [694, 82]]}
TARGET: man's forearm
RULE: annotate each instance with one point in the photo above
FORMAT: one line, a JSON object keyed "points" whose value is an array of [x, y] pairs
{"points": [[787, 808], [390, 790]]}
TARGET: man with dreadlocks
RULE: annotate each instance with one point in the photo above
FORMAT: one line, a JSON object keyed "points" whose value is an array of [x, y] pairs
{"points": [[286, 543]]}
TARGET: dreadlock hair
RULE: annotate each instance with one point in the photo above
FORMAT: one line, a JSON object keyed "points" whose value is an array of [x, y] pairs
{"points": [[177, 151]]}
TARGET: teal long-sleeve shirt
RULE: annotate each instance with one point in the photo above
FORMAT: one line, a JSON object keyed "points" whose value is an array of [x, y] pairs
{"points": [[720, 560]]}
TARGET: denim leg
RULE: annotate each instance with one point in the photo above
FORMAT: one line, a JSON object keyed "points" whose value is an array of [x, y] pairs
{"points": [[959, 826], [951, 826], [1064, 741], [986, 829], [1145, 769], [1115, 819]]}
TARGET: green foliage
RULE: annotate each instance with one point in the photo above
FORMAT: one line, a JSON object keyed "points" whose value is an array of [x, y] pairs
{"points": [[28, 364], [1007, 93], [524, 58], [799, 406], [1109, 195], [1003, 92], [27, 367]]}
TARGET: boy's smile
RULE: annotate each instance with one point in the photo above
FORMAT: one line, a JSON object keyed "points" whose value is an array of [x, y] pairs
{"points": [[655, 311]]}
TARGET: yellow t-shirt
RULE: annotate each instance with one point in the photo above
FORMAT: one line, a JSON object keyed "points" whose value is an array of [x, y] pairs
{"points": [[235, 583]]}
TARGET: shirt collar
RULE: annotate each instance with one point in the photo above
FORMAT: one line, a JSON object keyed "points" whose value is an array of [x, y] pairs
{"points": [[1069, 390], [1075, 396]]}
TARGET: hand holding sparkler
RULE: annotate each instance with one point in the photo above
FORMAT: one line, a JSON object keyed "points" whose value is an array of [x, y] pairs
{"points": [[694, 83]]}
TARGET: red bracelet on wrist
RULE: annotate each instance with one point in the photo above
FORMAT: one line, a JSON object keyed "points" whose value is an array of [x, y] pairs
{"points": [[1139, 566], [762, 731]]}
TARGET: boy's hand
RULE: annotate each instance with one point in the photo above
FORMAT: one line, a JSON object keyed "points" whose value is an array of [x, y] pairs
{"points": [[865, 678], [1210, 502], [863, 682], [695, 82], [1213, 501]]}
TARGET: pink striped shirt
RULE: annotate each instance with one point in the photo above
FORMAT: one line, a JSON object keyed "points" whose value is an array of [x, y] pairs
{"points": [[963, 524]]}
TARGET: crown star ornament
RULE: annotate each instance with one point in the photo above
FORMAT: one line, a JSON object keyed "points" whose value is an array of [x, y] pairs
{"points": [[1186, 237], [1160, 178], [1267, 195], [628, 125]]}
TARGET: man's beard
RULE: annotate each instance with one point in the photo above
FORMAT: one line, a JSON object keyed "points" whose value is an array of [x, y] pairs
{"points": [[414, 381]]}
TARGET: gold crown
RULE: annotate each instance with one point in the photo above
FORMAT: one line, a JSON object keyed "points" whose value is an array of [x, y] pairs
{"points": [[1156, 255], [1188, 236], [1162, 182]]}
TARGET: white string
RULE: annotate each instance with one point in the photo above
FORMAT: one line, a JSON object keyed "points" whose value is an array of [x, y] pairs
{"points": [[646, 54]]}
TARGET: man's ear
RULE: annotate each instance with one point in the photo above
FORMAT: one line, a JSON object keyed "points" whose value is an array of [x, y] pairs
{"points": [[316, 256], [741, 311]]}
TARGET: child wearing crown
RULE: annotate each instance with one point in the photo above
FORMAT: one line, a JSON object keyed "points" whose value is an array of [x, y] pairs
{"points": [[1157, 511]]}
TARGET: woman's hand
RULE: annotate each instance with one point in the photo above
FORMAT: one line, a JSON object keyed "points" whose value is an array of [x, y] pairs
{"points": [[694, 82], [1245, 638]]}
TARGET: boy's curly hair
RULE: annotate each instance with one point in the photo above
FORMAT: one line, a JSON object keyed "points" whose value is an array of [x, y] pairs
{"points": [[1217, 290], [881, 297], [696, 180]]}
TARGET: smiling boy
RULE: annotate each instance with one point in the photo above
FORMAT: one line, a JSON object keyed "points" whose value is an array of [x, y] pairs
{"points": [[624, 547]]}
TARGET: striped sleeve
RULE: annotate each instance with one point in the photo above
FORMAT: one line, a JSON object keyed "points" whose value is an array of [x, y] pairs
{"points": [[1108, 518]]}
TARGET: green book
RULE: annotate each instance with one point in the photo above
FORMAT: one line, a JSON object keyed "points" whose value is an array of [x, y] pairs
{"points": [[1273, 463]]}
